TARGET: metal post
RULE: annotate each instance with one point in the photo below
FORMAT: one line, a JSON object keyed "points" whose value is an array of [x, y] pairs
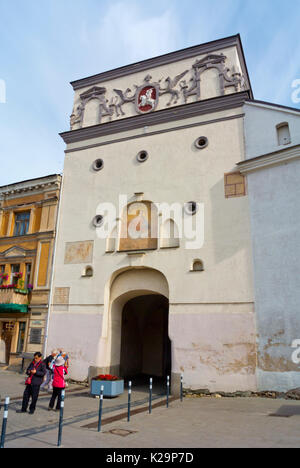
{"points": [[61, 417], [100, 408], [150, 396], [5, 414], [168, 390], [129, 400], [181, 387]]}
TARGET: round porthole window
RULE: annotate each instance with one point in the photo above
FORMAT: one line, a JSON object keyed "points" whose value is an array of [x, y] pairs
{"points": [[98, 165], [98, 220], [191, 207], [201, 142], [142, 156]]}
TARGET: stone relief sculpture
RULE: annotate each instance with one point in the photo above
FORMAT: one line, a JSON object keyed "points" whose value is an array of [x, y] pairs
{"points": [[207, 63], [145, 97], [123, 99], [170, 87]]}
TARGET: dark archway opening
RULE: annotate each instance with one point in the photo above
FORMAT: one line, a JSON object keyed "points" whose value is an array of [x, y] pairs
{"points": [[145, 344]]}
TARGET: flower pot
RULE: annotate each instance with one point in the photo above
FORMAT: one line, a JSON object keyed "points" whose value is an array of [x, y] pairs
{"points": [[112, 388]]}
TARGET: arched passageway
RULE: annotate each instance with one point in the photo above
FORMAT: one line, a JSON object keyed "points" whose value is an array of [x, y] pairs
{"points": [[145, 344]]}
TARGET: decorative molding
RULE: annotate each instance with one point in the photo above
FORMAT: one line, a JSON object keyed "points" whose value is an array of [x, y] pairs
{"points": [[157, 132], [184, 111], [271, 159], [26, 187], [19, 252], [272, 106], [146, 96]]}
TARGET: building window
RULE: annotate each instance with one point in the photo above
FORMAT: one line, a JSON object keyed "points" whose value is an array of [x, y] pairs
{"points": [[21, 223], [283, 134], [142, 156], [27, 275], [98, 165], [21, 337], [98, 221], [197, 265], [15, 269], [35, 336], [169, 234], [191, 208], [235, 185], [88, 271], [2, 272], [201, 142]]}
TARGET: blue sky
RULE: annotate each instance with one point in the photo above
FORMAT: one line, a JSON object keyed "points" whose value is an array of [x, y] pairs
{"points": [[45, 44]]}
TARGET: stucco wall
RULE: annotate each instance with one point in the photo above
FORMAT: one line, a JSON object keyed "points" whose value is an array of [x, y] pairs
{"points": [[274, 202], [174, 172]]}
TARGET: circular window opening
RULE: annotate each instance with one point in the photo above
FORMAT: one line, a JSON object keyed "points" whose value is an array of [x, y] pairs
{"points": [[142, 156], [98, 220], [98, 165], [201, 142], [191, 207]]}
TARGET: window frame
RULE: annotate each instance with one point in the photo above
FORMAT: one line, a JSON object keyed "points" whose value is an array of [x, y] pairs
{"points": [[21, 226]]}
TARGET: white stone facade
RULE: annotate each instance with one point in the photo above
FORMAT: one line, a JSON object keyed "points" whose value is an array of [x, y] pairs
{"points": [[211, 317]]}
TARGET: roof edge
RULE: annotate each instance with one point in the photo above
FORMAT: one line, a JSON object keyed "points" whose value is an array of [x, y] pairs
{"points": [[259, 103]]}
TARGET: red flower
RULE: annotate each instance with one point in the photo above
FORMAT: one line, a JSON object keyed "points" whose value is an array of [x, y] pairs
{"points": [[106, 377]]}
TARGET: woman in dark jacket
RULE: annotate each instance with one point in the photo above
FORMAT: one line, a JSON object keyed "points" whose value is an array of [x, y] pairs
{"points": [[36, 371]]}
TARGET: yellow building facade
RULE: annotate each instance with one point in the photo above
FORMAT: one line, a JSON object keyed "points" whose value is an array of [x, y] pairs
{"points": [[28, 213]]}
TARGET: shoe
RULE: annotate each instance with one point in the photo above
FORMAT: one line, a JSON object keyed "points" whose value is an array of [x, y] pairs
{"points": [[31, 412], [20, 411], [50, 409]]}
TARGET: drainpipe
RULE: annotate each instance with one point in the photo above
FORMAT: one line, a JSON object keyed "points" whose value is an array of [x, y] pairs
{"points": [[52, 269]]}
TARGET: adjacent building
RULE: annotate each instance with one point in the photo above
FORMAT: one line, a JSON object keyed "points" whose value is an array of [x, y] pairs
{"points": [[28, 213], [272, 168]]}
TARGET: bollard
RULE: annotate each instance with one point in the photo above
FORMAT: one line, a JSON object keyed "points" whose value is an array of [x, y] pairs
{"points": [[129, 400], [168, 390], [150, 396], [5, 414], [181, 387], [61, 417], [100, 408]]}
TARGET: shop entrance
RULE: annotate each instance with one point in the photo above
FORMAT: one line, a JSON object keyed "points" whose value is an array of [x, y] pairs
{"points": [[6, 335]]}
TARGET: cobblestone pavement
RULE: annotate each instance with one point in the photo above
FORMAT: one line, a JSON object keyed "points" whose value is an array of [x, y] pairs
{"points": [[193, 423]]}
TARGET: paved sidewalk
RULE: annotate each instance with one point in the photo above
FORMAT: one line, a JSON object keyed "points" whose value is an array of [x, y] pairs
{"points": [[193, 423]]}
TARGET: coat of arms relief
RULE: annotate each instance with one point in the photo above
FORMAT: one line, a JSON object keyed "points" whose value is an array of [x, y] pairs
{"points": [[183, 88]]}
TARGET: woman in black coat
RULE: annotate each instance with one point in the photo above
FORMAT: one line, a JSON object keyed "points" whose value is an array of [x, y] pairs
{"points": [[36, 371]]}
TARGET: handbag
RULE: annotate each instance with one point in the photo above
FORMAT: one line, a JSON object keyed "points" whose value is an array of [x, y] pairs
{"points": [[29, 379]]}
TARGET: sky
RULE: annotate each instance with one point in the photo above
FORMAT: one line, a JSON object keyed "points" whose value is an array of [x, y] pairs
{"points": [[45, 44]]}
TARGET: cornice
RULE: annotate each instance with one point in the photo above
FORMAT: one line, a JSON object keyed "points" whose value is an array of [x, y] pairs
{"points": [[165, 60], [271, 159], [36, 236], [31, 186], [31, 205], [185, 111]]}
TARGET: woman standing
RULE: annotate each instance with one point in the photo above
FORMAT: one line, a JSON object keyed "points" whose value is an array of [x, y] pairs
{"points": [[59, 371]]}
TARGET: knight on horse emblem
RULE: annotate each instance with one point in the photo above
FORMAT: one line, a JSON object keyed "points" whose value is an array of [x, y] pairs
{"points": [[147, 97]]}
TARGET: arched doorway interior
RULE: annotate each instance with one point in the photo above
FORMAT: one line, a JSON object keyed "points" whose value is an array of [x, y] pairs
{"points": [[145, 344]]}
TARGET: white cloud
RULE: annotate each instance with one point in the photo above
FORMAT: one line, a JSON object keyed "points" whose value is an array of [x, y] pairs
{"points": [[127, 33]]}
